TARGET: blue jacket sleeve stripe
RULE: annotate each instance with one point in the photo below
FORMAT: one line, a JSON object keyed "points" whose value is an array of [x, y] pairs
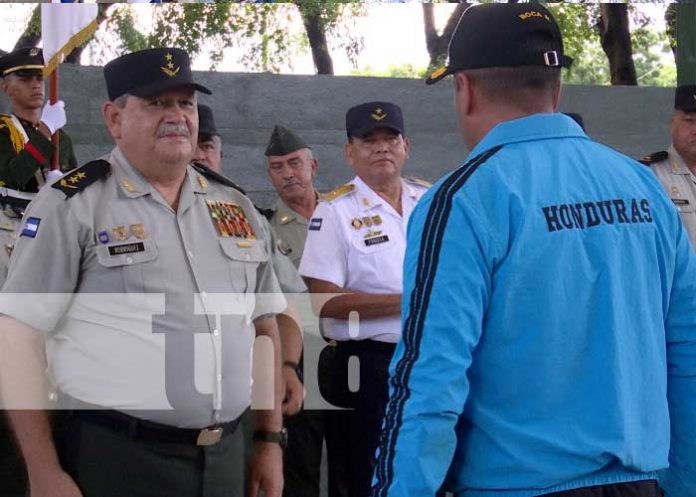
{"points": [[433, 231]]}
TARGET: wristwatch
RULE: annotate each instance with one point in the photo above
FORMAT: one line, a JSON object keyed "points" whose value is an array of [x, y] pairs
{"points": [[279, 437]]}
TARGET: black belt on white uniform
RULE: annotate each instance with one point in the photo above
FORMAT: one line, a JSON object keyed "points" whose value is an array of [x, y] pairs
{"points": [[142, 429], [357, 346]]}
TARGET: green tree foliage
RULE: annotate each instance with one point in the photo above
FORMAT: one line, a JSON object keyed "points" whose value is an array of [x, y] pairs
{"points": [[263, 33]]}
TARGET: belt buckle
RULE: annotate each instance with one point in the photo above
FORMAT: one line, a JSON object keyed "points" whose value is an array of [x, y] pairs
{"points": [[209, 436]]}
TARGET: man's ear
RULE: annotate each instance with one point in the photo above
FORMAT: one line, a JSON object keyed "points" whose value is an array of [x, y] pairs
{"points": [[112, 118], [556, 95]]}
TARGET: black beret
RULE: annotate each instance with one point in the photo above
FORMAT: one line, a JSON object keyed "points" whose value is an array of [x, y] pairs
{"points": [[149, 72], [206, 121], [685, 98], [504, 35], [363, 118]]}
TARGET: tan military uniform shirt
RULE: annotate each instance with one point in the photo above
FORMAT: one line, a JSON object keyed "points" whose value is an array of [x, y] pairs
{"points": [[680, 184], [149, 310], [291, 231]]}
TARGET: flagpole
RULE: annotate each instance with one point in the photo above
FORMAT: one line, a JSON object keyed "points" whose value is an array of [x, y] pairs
{"points": [[53, 97]]}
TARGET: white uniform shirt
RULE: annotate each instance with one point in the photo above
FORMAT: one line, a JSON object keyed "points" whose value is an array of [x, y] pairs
{"points": [[357, 241]]}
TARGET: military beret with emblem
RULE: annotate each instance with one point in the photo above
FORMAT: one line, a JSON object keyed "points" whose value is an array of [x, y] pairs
{"points": [[362, 119], [284, 141], [22, 62], [504, 35], [147, 73], [206, 121], [685, 98]]}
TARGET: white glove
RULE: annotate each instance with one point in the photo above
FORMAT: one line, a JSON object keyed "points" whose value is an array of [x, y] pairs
{"points": [[53, 116], [53, 175]]}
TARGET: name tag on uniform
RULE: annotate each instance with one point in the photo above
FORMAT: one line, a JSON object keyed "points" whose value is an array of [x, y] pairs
{"points": [[377, 240], [128, 248], [680, 201]]}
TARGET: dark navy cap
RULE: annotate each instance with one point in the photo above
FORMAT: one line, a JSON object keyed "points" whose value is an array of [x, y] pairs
{"points": [[284, 141], [149, 72], [206, 121], [363, 118], [22, 61], [504, 35], [685, 98]]}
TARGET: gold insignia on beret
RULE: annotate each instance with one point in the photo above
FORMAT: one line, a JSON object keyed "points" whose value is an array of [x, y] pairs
{"points": [[130, 188], [138, 231], [33, 52], [378, 114], [169, 68]]}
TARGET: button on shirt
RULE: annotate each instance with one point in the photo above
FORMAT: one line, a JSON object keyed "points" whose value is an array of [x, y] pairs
{"points": [[680, 184], [147, 309], [357, 242]]}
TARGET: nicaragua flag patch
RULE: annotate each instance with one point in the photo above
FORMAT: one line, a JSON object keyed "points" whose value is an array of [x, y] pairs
{"points": [[315, 224], [31, 227]]}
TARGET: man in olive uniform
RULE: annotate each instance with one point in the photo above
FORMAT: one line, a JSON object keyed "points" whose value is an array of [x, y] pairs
{"points": [[25, 154], [291, 168], [152, 277], [676, 167]]}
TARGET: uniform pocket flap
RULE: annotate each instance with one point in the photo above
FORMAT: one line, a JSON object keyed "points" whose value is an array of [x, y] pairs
{"points": [[243, 250]]}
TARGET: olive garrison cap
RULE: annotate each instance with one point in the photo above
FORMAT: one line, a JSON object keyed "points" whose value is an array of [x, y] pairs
{"points": [[685, 98], [22, 61], [504, 35], [284, 141], [363, 118], [149, 72], [206, 121]]}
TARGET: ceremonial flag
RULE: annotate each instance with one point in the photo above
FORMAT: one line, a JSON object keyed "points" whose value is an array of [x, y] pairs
{"points": [[64, 27]]}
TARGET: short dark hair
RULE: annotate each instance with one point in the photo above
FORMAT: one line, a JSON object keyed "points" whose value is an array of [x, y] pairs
{"points": [[520, 87]]}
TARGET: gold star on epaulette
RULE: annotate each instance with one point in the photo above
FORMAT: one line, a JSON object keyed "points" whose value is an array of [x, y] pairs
{"points": [[81, 178]]}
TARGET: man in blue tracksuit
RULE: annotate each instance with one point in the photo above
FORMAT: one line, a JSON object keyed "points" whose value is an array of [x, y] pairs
{"points": [[549, 310]]}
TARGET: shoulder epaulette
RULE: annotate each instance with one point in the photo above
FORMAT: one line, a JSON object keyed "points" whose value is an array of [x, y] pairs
{"points": [[656, 157], [337, 192], [78, 179], [210, 174], [417, 181]]}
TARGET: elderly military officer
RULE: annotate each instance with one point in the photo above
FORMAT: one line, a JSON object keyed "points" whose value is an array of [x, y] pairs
{"points": [[158, 371], [291, 168], [676, 167], [25, 140], [355, 246], [209, 147], [549, 304]]}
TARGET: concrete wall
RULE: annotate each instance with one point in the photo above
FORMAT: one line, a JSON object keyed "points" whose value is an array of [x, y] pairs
{"points": [[632, 120]]}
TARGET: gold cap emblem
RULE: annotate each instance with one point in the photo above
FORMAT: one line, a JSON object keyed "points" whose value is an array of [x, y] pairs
{"points": [[378, 114], [168, 68]]}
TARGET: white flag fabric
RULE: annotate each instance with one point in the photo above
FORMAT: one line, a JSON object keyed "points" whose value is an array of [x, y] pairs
{"points": [[64, 27]]}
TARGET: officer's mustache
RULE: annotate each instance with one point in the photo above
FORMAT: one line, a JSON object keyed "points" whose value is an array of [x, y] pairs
{"points": [[169, 129]]}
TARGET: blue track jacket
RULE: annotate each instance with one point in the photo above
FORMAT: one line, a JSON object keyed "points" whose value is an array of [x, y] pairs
{"points": [[549, 331]]}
